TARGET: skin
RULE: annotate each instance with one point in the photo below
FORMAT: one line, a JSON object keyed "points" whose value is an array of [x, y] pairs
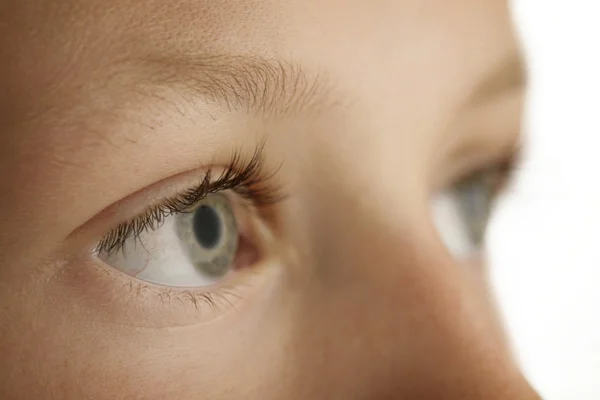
{"points": [[354, 296]]}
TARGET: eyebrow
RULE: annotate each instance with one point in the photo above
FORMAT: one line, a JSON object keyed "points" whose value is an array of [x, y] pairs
{"points": [[261, 86], [506, 75]]}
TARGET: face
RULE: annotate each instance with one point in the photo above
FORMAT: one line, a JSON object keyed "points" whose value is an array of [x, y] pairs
{"points": [[253, 199]]}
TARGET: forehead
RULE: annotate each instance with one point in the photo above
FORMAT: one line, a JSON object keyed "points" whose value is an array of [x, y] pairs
{"points": [[73, 35], [395, 56]]}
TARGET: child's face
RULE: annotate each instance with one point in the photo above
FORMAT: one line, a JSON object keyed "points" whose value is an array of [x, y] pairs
{"points": [[314, 270]]}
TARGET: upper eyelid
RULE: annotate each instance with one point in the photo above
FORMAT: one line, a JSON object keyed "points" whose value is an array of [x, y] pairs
{"points": [[508, 168], [238, 172], [139, 201], [153, 216], [505, 169]]}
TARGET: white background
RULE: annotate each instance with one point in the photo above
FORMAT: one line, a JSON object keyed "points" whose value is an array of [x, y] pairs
{"points": [[545, 238]]}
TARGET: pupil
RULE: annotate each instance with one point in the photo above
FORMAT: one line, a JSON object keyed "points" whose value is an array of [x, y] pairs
{"points": [[207, 227]]}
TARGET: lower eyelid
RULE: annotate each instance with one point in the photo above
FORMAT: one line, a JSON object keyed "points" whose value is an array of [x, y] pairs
{"points": [[111, 296]]}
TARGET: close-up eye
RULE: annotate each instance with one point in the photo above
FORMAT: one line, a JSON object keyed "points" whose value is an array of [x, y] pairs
{"points": [[195, 247], [196, 238], [461, 212]]}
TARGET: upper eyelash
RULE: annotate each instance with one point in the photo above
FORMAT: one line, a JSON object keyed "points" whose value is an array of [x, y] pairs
{"points": [[245, 178]]}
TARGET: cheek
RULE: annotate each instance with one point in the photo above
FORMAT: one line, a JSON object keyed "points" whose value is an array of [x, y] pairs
{"points": [[75, 359], [64, 338]]}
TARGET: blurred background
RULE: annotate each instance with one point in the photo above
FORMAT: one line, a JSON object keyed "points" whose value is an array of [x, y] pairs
{"points": [[545, 238]]}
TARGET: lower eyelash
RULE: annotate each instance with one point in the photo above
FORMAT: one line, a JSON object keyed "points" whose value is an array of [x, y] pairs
{"points": [[217, 300]]}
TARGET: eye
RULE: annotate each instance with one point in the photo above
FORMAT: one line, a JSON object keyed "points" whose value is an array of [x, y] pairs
{"points": [[462, 211], [196, 247], [200, 236]]}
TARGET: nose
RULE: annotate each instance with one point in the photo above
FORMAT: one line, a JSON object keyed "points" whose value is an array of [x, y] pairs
{"points": [[410, 321]]}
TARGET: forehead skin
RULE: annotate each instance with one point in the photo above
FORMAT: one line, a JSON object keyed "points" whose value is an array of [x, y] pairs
{"points": [[384, 100]]}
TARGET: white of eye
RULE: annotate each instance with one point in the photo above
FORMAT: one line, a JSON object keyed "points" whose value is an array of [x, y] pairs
{"points": [[177, 253]]}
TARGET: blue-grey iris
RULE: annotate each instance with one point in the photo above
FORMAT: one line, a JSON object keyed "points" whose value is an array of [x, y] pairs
{"points": [[209, 235]]}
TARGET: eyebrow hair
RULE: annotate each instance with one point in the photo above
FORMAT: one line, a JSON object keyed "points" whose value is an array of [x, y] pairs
{"points": [[267, 87], [506, 75]]}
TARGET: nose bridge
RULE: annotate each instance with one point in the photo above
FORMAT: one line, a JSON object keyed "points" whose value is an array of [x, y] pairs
{"points": [[427, 327]]}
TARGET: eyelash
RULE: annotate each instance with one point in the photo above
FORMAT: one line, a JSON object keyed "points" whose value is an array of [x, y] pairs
{"points": [[247, 179]]}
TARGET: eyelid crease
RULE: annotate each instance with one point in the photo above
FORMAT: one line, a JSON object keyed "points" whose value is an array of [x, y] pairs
{"points": [[508, 168], [469, 161], [498, 173]]}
